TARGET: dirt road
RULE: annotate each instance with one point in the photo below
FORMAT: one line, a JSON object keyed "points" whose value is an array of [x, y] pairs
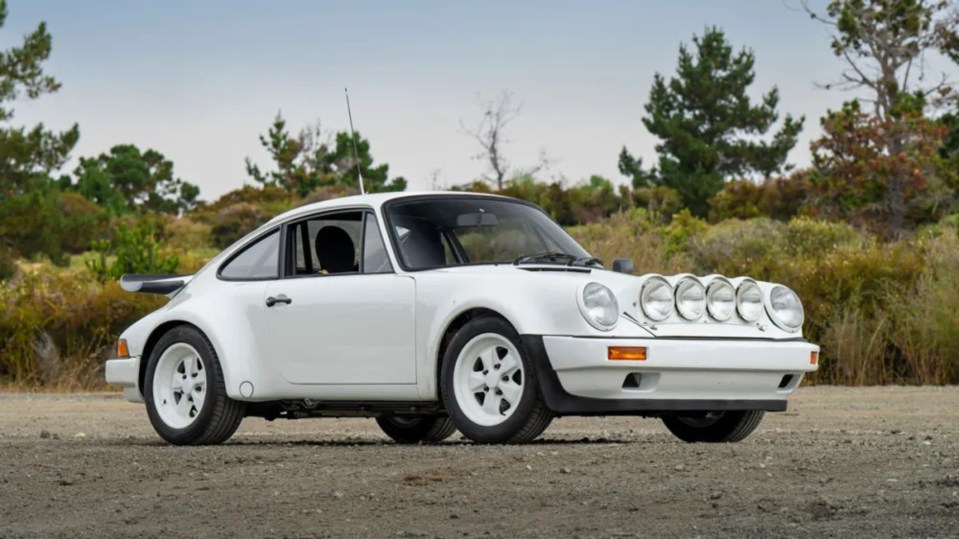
{"points": [[864, 462]]}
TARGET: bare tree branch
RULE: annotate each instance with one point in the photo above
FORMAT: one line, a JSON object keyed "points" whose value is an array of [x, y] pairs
{"points": [[498, 113]]}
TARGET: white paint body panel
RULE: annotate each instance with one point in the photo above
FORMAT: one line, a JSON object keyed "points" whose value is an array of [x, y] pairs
{"points": [[378, 337], [344, 329], [681, 368]]}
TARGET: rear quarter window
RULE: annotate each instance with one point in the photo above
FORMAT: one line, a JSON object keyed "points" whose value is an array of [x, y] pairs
{"points": [[259, 260]]}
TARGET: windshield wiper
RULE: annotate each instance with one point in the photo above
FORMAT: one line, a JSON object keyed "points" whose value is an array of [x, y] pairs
{"points": [[565, 258], [549, 256], [587, 261]]}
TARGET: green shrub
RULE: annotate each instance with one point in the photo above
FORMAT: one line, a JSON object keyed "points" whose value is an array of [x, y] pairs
{"points": [[182, 234], [629, 236], [926, 327], [133, 249], [8, 262], [56, 328], [50, 223]]}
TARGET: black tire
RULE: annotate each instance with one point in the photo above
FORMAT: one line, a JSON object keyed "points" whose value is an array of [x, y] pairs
{"points": [[219, 416], [716, 427], [413, 429], [531, 416]]}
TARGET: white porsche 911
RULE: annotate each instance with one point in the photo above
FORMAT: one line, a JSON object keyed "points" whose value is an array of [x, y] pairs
{"points": [[452, 311]]}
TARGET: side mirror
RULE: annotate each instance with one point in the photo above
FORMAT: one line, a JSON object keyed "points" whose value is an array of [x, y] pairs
{"points": [[623, 265]]}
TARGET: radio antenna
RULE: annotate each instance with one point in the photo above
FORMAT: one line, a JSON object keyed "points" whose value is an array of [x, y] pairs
{"points": [[356, 152]]}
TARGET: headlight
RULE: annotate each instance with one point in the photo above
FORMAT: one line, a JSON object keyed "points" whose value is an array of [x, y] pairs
{"points": [[656, 298], [749, 300], [785, 308], [691, 298], [599, 306], [720, 299]]}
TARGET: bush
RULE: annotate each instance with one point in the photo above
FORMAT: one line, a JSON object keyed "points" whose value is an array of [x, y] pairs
{"points": [[8, 263], [133, 249], [660, 202], [776, 198], [50, 223], [57, 328], [630, 236], [238, 212], [183, 234], [926, 328]]}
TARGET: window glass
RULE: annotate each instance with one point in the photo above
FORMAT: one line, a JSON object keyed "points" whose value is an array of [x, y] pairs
{"points": [[375, 258], [258, 261], [481, 230], [326, 245]]}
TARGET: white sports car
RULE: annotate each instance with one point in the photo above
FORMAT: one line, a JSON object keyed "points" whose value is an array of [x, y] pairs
{"points": [[440, 312]]}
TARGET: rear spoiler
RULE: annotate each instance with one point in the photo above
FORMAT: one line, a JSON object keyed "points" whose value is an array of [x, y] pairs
{"points": [[154, 284]]}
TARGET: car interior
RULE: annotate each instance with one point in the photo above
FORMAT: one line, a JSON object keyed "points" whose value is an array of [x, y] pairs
{"points": [[331, 245]]}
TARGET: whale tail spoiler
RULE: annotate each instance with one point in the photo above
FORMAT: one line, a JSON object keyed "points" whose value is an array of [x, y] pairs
{"points": [[167, 284]]}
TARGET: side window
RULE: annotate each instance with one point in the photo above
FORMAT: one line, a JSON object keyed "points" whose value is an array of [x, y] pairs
{"points": [[375, 258], [325, 245], [257, 261]]}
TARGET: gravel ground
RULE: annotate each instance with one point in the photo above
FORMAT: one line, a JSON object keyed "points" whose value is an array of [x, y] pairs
{"points": [[850, 462]]}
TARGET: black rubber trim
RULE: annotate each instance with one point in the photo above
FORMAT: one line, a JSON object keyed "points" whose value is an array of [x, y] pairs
{"points": [[562, 403], [713, 338]]}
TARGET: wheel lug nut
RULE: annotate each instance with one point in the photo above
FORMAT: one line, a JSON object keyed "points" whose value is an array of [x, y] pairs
{"points": [[485, 372], [486, 389], [506, 378], [496, 366]]}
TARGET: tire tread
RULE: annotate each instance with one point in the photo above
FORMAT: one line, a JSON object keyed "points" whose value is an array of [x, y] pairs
{"points": [[732, 427], [225, 413]]}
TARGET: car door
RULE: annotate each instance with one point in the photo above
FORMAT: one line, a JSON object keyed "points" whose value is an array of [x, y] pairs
{"points": [[340, 315]]}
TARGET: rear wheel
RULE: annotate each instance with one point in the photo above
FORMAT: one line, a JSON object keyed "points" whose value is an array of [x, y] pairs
{"points": [[714, 427], [488, 385], [185, 393], [412, 429]]}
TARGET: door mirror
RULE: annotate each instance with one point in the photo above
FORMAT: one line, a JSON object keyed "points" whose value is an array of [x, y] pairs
{"points": [[623, 265]]}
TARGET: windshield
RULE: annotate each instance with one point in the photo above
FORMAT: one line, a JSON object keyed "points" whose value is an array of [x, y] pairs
{"points": [[439, 232]]}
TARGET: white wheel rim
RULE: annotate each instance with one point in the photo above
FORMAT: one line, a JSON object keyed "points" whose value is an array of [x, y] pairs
{"points": [[179, 385], [488, 379]]}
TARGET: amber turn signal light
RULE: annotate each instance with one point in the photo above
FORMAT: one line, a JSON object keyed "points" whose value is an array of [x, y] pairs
{"points": [[813, 358], [627, 353], [122, 350]]}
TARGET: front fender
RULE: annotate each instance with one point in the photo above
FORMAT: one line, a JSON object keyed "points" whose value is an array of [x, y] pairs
{"points": [[533, 305]]}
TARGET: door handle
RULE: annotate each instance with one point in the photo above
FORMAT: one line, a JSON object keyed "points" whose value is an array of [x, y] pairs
{"points": [[271, 301]]}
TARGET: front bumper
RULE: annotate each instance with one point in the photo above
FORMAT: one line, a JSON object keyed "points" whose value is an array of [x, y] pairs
{"points": [[125, 373], [679, 375]]}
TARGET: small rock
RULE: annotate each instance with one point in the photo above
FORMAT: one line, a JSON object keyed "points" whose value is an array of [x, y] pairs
{"points": [[679, 467], [529, 468], [715, 495], [44, 434], [64, 482], [80, 435], [337, 494], [565, 470]]}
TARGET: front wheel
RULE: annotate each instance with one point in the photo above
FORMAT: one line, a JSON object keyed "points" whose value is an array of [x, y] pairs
{"points": [[488, 385], [714, 427], [416, 429], [185, 393]]}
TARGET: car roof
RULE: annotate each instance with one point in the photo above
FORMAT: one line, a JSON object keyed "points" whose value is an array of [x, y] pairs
{"points": [[373, 200]]}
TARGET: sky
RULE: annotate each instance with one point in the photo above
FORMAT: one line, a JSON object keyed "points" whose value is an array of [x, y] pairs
{"points": [[199, 81]]}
